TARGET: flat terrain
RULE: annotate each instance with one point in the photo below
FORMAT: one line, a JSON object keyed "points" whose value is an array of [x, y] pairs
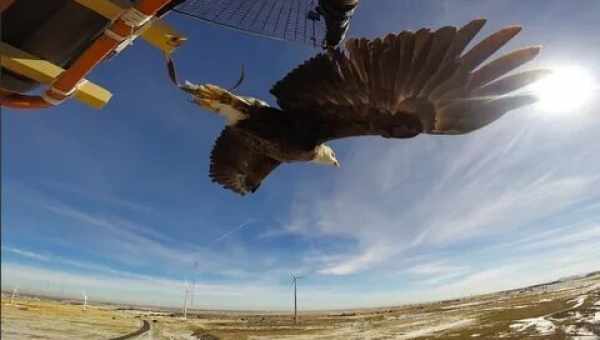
{"points": [[568, 309]]}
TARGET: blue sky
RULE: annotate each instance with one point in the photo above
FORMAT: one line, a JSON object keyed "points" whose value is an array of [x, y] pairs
{"points": [[118, 202]]}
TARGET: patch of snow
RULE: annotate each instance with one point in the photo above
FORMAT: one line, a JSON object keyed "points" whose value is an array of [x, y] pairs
{"points": [[577, 316], [463, 305], [591, 318], [597, 303], [594, 318], [579, 301], [584, 331], [545, 300], [475, 335], [542, 326], [434, 329], [575, 333], [570, 329]]}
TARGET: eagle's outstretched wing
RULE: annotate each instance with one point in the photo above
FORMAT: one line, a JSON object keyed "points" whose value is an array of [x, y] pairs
{"points": [[235, 165], [410, 83]]}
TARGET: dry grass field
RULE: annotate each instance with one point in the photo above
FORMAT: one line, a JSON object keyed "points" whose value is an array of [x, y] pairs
{"points": [[561, 310]]}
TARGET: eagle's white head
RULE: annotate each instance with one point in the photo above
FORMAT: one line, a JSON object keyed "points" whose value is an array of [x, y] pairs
{"points": [[324, 155]]}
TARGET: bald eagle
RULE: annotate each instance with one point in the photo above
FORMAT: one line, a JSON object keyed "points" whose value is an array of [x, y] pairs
{"points": [[398, 86]]}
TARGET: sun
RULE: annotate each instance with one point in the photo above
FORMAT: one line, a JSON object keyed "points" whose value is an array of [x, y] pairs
{"points": [[565, 90]]}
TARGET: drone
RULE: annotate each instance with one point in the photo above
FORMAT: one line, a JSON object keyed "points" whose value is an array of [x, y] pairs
{"points": [[58, 43]]}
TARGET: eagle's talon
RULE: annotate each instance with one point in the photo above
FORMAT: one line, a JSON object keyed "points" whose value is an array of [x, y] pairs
{"points": [[213, 93]]}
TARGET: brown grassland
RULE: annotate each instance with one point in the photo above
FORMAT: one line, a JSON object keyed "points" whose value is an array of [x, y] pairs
{"points": [[563, 310]]}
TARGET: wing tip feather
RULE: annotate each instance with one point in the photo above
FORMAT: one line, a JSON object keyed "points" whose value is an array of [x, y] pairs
{"points": [[511, 30]]}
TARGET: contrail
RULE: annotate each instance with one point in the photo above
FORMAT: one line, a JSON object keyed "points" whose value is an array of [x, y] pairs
{"points": [[227, 234], [224, 236]]}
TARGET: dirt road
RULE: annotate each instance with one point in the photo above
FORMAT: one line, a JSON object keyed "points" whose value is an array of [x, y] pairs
{"points": [[143, 329]]}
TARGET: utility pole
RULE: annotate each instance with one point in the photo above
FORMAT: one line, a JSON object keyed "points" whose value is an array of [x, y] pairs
{"points": [[295, 303], [294, 281]]}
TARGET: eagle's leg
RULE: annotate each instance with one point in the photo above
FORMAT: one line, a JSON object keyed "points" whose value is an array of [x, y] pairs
{"points": [[216, 99]]}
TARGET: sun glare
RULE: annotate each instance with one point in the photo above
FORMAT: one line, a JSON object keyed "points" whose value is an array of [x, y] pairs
{"points": [[565, 90]]}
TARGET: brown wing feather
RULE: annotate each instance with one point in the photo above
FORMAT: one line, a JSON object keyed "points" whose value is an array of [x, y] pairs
{"points": [[236, 166], [409, 83]]}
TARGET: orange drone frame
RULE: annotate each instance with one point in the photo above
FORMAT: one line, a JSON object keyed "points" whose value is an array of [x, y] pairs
{"points": [[127, 24]]}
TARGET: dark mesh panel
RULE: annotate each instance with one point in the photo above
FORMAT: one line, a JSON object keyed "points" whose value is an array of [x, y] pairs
{"points": [[291, 20]]}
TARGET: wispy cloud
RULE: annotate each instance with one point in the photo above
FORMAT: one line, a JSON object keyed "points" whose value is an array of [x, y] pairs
{"points": [[436, 272], [127, 243], [515, 272], [434, 268], [92, 193], [356, 263], [130, 240], [117, 207], [25, 253], [560, 237], [436, 192], [68, 263]]}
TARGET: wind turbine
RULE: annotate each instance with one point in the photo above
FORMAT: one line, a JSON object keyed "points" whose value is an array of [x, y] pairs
{"points": [[294, 281], [185, 301], [84, 300], [192, 293], [12, 297], [193, 287]]}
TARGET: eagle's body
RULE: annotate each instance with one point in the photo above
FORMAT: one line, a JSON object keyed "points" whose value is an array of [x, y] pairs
{"points": [[282, 137], [396, 87], [290, 137]]}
